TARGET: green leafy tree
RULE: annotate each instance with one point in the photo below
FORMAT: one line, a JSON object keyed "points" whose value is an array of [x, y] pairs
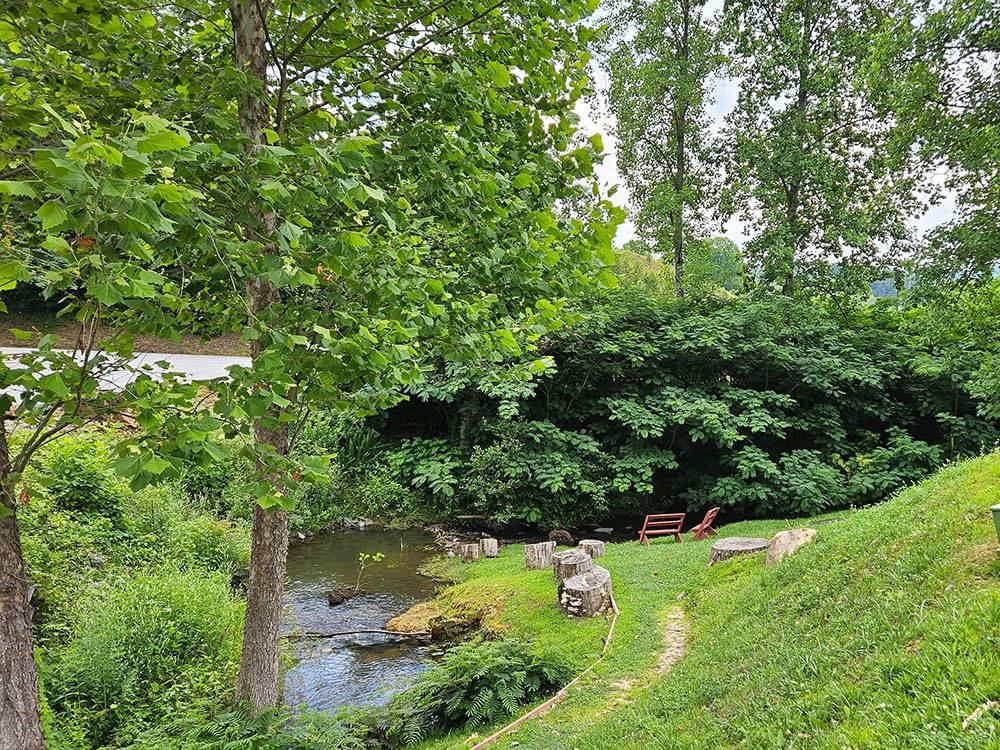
{"points": [[357, 190], [715, 263], [933, 68], [92, 219], [808, 166], [661, 58]]}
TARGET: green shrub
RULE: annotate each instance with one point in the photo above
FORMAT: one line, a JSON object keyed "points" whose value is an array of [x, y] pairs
{"points": [[356, 446], [138, 639], [204, 726], [76, 472], [209, 543], [65, 552], [763, 407], [221, 487], [475, 683]]}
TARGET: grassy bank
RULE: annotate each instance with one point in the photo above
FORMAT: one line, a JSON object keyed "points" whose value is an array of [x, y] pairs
{"points": [[883, 633]]}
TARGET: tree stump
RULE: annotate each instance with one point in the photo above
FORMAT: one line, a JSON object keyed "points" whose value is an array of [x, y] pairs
{"points": [[570, 563], [735, 545], [593, 547], [489, 547], [586, 594], [539, 556], [469, 552]]}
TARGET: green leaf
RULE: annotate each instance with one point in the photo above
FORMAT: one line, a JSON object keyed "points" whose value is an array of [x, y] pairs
{"points": [[52, 214], [522, 180], [105, 292], [163, 140], [53, 383], [17, 187], [156, 465], [498, 74]]}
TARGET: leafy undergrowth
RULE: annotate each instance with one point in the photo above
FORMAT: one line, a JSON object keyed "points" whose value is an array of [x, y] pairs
{"points": [[882, 633]]}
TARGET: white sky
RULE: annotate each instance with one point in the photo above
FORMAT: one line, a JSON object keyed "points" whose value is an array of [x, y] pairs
{"points": [[723, 101]]}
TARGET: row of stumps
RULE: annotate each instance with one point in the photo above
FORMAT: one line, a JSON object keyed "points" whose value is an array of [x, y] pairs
{"points": [[584, 588], [486, 547]]}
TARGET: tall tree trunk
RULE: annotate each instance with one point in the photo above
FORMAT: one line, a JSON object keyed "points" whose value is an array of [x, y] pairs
{"points": [[680, 152], [794, 192], [20, 708], [678, 219], [259, 680], [792, 218]]}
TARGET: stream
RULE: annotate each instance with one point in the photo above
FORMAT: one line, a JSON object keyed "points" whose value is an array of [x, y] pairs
{"points": [[355, 670]]}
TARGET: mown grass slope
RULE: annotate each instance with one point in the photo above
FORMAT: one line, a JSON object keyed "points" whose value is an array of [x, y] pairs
{"points": [[883, 633]]}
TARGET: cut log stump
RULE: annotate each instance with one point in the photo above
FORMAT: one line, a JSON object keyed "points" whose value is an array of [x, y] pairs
{"points": [[570, 563], [489, 547], [586, 594], [735, 545], [469, 552], [593, 547], [539, 556]]}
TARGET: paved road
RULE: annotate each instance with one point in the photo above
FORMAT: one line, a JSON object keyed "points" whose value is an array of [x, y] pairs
{"points": [[195, 366]]}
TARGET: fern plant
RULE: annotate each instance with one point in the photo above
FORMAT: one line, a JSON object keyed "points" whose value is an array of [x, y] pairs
{"points": [[475, 683]]}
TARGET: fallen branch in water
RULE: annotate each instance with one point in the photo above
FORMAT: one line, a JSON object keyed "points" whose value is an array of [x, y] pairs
{"points": [[313, 634]]}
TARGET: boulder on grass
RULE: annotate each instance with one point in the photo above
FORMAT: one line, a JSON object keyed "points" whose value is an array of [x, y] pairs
{"points": [[562, 537], [785, 543]]}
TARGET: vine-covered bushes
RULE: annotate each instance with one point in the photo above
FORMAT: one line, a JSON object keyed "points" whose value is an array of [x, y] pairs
{"points": [[763, 407]]}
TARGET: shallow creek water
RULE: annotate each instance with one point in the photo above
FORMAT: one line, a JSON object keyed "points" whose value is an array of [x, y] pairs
{"points": [[362, 669]]}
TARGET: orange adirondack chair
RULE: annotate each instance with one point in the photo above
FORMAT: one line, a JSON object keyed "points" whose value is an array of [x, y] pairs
{"points": [[704, 529], [662, 524]]}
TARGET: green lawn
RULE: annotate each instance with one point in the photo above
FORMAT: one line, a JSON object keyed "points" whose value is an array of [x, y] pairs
{"points": [[883, 633]]}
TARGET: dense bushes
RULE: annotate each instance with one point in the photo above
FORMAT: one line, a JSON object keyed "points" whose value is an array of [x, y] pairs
{"points": [[78, 476], [763, 407], [134, 618], [140, 638]]}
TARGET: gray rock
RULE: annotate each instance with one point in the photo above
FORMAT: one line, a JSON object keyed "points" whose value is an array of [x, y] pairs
{"points": [[342, 594], [785, 543], [561, 536]]}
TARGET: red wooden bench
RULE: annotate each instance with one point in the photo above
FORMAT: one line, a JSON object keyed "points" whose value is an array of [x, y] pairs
{"points": [[704, 529], [662, 524]]}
